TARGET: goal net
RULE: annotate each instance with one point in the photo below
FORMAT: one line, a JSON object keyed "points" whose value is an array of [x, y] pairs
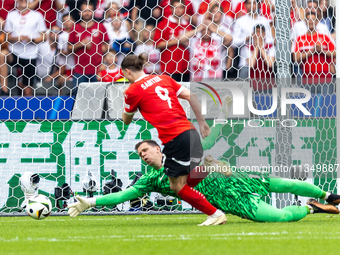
{"points": [[62, 92]]}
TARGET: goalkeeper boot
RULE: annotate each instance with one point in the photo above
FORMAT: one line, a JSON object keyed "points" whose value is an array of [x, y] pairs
{"points": [[316, 207], [333, 199], [217, 166], [218, 218]]}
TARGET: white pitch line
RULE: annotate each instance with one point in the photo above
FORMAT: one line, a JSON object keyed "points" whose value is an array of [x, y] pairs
{"points": [[224, 236]]}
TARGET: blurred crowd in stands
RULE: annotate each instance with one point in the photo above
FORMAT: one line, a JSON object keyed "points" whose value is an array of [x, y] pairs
{"points": [[66, 42]]}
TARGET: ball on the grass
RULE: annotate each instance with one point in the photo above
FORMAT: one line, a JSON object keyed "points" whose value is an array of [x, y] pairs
{"points": [[39, 207]]}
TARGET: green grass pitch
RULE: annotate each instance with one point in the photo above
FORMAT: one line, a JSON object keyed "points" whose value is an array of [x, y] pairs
{"points": [[166, 234]]}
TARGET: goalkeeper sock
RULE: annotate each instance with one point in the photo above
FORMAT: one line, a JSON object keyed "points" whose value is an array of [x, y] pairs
{"points": [[325, 195], [196, 199], [196, 176]]}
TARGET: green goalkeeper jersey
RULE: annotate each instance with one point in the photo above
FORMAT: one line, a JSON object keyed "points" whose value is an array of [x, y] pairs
{"points": [[238, 194]]}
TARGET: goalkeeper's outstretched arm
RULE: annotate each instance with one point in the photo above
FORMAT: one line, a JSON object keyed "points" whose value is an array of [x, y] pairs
{"points": [[111, 199]]}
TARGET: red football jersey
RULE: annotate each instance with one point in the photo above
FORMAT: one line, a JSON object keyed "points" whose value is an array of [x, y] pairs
{"points": [[174, 59], [156, 98], [88, 60], [316, 68]]}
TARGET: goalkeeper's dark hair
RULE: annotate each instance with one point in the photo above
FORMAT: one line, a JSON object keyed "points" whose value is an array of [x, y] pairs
{"points": [[149, 142], [133, 62]]}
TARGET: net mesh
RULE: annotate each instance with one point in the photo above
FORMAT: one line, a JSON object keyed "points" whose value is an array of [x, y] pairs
{"points": [[60, 101]]}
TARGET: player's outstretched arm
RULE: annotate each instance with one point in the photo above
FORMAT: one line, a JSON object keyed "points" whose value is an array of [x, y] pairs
{"points": [[111, 199], [196, 107]]}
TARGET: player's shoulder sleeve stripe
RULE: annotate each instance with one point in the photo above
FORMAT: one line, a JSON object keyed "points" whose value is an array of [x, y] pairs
{"points": [[179, 91]]}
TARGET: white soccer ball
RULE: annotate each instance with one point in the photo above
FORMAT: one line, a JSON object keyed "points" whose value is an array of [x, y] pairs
{"points": [[39, 207]]}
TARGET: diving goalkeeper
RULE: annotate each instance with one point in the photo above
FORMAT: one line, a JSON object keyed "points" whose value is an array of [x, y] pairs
{"points": [[234, 194]]}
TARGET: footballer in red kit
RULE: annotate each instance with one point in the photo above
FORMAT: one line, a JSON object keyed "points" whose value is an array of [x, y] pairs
{"points": [[156, 97]]}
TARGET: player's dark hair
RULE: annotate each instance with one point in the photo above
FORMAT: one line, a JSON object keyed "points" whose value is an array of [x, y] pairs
{"points": [[133, 62], [149, 142]]}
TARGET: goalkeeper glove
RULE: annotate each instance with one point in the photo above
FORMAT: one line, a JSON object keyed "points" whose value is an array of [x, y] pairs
{"points": [[75, 209]]}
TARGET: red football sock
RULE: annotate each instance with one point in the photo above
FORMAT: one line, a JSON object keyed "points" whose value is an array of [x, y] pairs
{"points": [[196, 199], [196, 176]]}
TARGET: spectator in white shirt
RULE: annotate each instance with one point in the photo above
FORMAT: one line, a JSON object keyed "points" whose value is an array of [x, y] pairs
{"points": [[26, 29], [243, 30], [209, 48], [149, 48], [300, 28]]}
